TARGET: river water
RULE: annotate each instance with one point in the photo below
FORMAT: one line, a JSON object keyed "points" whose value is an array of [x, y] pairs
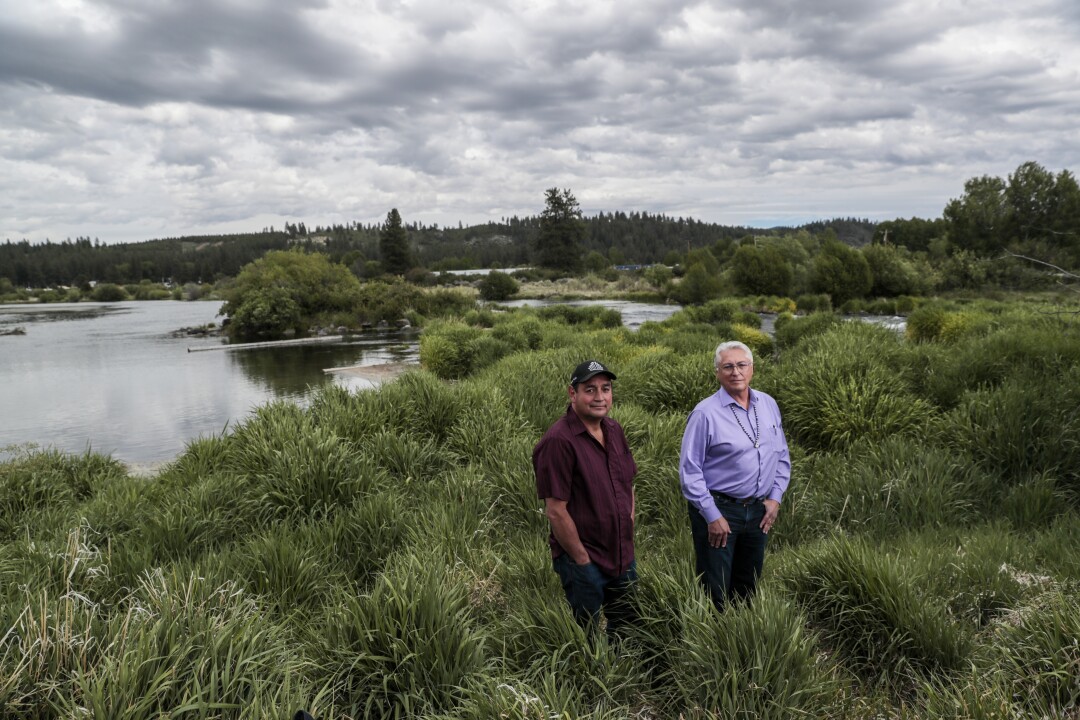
{"points": [[110, 377]]}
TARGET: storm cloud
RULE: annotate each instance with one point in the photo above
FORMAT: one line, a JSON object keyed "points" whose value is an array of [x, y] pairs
{"points": [[133, 119]]}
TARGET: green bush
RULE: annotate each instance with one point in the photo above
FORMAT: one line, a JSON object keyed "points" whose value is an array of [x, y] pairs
{"points": [[697, 287], [107, 292], [761, 271], [713, 312], [846, 386], [590, 316], [814, 303], [660, 380], [447, 348], [842, 272], [1026, 427], [497, 286]]}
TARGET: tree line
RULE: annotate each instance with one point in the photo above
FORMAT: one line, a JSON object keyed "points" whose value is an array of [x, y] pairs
{"points": [[1031, 213]]}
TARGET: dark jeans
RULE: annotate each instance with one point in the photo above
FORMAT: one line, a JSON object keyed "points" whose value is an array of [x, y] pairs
{"points": [[730, 573], [587, 590]]}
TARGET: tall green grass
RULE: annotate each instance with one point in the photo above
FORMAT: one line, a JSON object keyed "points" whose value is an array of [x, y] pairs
{"points": [[870, 607], [383, 553]]}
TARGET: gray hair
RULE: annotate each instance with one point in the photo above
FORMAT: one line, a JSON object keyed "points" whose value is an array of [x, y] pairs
{"points": [[731, 345]]}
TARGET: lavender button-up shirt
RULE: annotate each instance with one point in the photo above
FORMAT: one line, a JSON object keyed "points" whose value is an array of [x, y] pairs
{"points": [[718, 453]]}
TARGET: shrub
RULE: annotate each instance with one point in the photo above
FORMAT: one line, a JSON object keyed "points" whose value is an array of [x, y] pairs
{"points": [[814, 303], [447, 348], [697, 287], [842, 272], [107, 292], [591, 315], [657, 275], [760, 271], [497, 286], [758, 342], [713, 312]]}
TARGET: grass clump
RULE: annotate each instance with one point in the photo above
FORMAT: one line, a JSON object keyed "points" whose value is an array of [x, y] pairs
{"points": [[753, 662], [870, 608], [848, 384], [406, 648], [1038, 652]]}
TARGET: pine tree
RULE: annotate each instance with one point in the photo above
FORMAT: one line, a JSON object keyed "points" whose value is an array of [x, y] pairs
{"points": [[394, 245], [558, 246]]}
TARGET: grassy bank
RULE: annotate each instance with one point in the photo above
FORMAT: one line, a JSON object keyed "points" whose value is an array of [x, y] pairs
{"points": [[382, 554]]}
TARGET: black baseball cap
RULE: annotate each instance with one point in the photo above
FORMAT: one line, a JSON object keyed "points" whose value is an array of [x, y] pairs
{"points": [[587, 370]]}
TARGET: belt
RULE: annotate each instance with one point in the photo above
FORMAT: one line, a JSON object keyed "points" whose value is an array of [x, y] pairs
{"points": [[738, 501]]}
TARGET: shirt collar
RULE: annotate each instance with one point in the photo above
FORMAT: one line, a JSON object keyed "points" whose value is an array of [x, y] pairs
{"points": [[574, 422], [726, 399]]}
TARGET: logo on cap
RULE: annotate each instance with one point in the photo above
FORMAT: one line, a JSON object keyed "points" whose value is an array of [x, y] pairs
{"points": [[595, 367]]}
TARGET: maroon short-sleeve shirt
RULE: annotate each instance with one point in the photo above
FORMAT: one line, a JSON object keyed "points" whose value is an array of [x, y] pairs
{"points": [[596, 481]]}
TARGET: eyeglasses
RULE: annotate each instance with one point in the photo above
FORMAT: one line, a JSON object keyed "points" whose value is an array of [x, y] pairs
{"points": [[742, 367]]}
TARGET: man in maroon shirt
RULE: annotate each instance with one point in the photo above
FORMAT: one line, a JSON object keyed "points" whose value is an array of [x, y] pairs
{"points": [[584, 474]]}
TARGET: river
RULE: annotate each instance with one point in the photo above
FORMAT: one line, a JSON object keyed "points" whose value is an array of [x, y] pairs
{"points": [[111, 377]]}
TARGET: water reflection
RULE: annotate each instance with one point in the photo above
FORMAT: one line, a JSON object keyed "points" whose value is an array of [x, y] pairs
{"points": [[59, 312], [291, 371]]}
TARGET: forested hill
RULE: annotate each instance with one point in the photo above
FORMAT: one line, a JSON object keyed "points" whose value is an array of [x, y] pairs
{"points": [[635, 237]]}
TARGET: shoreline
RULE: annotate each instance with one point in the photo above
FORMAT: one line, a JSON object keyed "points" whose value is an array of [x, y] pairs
{"points": [[373, 373]]}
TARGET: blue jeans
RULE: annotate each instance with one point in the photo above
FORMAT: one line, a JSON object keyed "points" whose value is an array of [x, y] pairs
{"points": [[588, 590], [730, 573]]}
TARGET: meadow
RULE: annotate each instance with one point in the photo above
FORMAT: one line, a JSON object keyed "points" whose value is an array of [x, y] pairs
{"points": [[383, 554]]}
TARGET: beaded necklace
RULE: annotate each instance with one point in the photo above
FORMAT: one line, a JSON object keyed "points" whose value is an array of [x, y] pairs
{"points": [[757, 426]]}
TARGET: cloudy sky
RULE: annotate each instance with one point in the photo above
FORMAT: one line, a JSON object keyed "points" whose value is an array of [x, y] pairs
{"points": [[128, 120]]}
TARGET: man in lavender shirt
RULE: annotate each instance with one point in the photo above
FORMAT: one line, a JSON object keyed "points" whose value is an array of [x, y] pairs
{"points": [[584, 475], [734, 468]]}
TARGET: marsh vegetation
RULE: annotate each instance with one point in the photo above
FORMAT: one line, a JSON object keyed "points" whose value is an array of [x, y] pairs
{"points": [[382, 553]]}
